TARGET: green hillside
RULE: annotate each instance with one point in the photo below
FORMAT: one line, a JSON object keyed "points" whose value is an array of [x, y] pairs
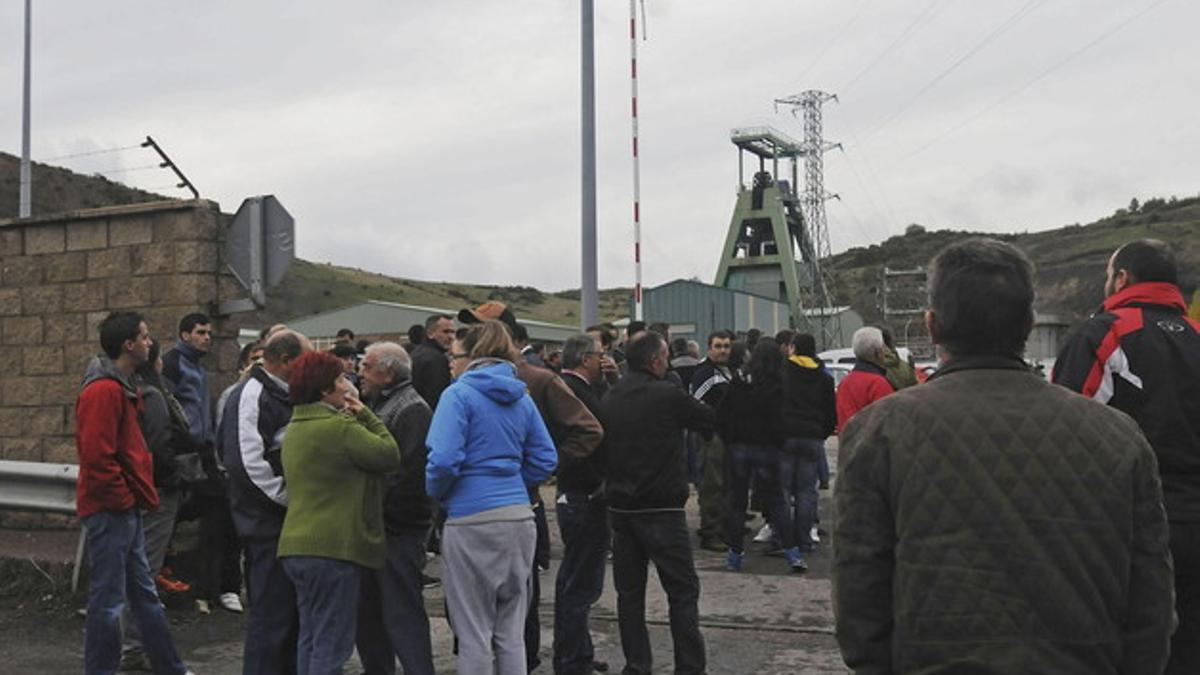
{"points": [[56, 190], [1070, 260]]}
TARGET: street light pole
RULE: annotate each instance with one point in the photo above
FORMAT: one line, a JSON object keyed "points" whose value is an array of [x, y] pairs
{"points": [[26, 202]]}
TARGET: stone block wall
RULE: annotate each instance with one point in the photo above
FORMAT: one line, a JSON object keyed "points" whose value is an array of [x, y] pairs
{"points": [[60, 275]]}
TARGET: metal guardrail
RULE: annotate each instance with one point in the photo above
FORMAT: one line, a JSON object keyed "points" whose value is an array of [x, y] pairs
{"points": [[34, 486], [48, 488]]}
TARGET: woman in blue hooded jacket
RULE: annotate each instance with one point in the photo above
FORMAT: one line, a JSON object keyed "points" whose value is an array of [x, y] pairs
{"points": [[487, 446]]}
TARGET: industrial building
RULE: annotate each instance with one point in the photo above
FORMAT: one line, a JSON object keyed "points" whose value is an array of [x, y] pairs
{"points": [[694, 309]]}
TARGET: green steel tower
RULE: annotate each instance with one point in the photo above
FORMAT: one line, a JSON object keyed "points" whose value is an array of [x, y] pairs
{"points": [[769, 250]]}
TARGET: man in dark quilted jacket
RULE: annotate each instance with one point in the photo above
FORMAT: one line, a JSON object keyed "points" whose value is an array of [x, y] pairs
{"points": [[1140, 354], [989, 521]]}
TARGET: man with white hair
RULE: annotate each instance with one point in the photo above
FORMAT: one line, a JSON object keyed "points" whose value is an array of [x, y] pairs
{"points": [[868, 381], [391, 617]]}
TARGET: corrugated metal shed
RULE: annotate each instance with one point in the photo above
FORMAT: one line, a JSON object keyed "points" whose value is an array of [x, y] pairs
{"points": [[376, 317], [694, 309]]}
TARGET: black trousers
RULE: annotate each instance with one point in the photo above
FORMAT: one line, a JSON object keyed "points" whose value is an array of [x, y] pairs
{"points": [[583, 524], [658, 537], [219, 557], [1185, 644]]}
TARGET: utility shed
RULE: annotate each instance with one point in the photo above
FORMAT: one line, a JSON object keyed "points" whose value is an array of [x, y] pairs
{"points": [[377, 319], [694, 309]]}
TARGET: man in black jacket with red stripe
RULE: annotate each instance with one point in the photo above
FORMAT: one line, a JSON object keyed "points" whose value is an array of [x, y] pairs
{"points": [[1141, 355]]}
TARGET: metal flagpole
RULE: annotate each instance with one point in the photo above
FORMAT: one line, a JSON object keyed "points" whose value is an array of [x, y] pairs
{"points": [[589, 293], [26, 201], [637, 177]]}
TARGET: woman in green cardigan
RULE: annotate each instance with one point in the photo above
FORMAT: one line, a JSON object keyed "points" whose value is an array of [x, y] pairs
{"points": [[336, 455]]}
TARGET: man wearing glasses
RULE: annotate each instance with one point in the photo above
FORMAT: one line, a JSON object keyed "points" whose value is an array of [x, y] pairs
{"points": [[582, 521]]}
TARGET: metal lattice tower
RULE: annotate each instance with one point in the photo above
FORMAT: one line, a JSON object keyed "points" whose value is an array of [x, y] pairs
{"points": [[813, 207]]}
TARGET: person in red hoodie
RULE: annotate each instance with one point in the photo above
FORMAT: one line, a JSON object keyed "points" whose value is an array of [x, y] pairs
{"points": [[116, 482], [868, 381]]}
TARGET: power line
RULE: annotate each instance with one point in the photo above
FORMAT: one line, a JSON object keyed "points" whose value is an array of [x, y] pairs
{"points": [[1008, 23], [1045, 73], [932, 8], [862, 8], [118, 169], [90, 153]]}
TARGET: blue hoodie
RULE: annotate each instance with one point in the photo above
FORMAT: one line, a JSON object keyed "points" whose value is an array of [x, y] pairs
{"points": [[487, 442]]}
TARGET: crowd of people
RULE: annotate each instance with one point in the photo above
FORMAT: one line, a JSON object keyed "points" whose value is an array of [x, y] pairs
{"points": [[987, 519]]}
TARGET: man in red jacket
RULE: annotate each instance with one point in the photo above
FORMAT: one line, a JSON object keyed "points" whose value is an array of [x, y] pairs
{"points": [[116, 482], [868, 381]]}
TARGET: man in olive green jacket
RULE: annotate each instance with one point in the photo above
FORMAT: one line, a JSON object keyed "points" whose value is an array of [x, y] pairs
{"points": [[989, 521]]}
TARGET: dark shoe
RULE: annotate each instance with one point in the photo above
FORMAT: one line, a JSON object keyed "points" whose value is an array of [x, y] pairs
{"points": [[430, 582], [135, 662], [600, 666], [824, 485]]}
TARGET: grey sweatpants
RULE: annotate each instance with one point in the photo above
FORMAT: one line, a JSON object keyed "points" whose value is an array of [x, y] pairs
{"points": [[158, 526], [485, 570]]}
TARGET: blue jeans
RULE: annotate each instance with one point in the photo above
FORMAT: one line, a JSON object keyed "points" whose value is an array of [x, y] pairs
{"points": [[583, 524], [746, 460], [118, 573], [661, 537], [272, 625], [391, 610], [327, 599], [798, 467]]}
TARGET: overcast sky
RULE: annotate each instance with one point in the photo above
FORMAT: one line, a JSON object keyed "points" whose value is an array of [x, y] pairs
{"points": [[440, 140]]}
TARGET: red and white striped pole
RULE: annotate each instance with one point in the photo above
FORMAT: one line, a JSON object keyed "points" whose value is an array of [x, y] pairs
{"points": [[637, 179]]}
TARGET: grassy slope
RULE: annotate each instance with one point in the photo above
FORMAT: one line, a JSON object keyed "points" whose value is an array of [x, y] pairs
{"points": [[311, 288], [56, 190], [1070, 260]]}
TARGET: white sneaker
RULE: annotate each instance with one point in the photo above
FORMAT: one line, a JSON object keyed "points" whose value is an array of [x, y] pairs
{"points": [[764, 534], [812, 534], [231, 602], [202, 607]]}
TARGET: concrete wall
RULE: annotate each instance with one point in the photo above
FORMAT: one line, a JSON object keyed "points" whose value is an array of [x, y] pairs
{"points": [[60, 275]]}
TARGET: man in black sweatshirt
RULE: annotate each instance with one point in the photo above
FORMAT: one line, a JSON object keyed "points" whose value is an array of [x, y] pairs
{"points": [[646, 488]]}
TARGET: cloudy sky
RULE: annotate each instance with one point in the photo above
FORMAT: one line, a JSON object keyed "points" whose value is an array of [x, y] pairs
{"points": [[440, 140]]}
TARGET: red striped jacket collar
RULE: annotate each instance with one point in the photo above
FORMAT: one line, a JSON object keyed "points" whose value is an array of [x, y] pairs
{"points": [[1147, 293]]}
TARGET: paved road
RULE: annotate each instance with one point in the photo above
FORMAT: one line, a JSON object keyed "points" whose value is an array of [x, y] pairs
{"points": [[763, 621]]}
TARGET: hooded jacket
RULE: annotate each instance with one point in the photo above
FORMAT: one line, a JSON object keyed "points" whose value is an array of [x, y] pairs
{"points": [[249, 440], [1140, 354], [487, 443], [116, 471], [809, 404]]}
